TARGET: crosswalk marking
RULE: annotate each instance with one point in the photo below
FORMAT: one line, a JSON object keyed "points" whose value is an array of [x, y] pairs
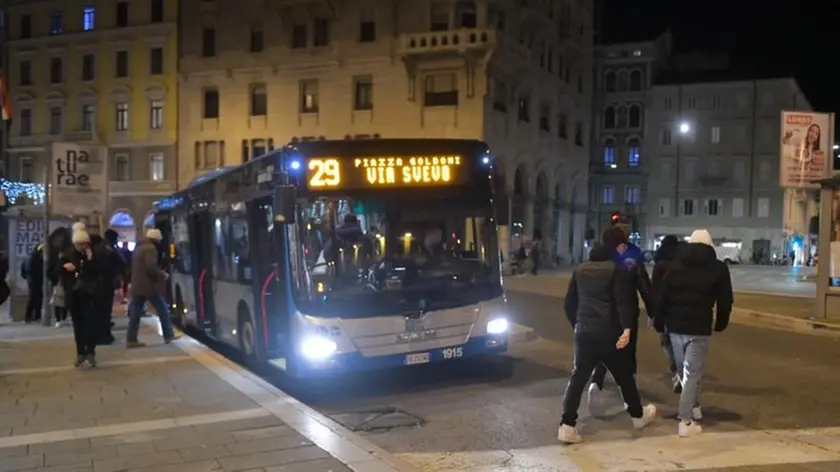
{"points": [[648, 453]]}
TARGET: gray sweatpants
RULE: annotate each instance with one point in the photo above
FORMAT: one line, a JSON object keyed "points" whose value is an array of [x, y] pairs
{"points": [[690, 354]]}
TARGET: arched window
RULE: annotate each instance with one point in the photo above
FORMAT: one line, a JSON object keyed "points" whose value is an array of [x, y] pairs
{"points": [[621, 117], [609, 81], [520, 182], [609, 118], [636, 80], [609, 153], [633, 152], [635, 116], [622, 81]]}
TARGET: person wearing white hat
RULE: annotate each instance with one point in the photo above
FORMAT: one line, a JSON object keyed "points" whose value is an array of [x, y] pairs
{"points": [[147, 280], [81, 299], [693, 299]]}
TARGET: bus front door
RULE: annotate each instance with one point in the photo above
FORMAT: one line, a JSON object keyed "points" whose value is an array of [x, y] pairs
{"points": [[272, 314], [201, 225]]}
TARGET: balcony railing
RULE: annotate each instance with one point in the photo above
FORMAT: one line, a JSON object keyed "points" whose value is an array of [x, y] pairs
{"points": [[460, 40], [129, 188]]}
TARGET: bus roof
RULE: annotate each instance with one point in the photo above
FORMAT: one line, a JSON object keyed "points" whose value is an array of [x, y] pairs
{"points": [[381, 147]]}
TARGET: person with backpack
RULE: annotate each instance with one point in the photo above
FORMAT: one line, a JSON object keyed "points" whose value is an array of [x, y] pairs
{"points": [[110, 268]]}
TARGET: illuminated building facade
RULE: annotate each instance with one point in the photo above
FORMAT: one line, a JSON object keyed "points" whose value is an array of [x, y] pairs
{"points": [[102, 73], [256, 75]]}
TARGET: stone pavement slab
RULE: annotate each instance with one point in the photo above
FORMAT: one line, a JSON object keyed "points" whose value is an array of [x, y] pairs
{"points": [[178, 407]]}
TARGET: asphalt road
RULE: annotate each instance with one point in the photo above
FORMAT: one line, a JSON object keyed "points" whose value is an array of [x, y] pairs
{"points": [[461, 417]]}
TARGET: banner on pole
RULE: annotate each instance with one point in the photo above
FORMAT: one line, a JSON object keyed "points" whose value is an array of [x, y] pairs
{"points": [[78, 180], [805, 153]]}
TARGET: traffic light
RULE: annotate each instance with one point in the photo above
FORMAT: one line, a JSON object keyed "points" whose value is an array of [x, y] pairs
{"points": [[615, 218]]}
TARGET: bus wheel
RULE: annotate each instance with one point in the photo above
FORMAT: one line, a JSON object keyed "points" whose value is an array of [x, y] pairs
{"points": [[247, 339]]}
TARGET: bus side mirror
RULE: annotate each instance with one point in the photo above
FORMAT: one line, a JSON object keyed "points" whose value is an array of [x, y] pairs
{"points": [[284, 204]]}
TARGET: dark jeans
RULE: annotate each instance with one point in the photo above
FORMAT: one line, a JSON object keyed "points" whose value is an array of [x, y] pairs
{"points": [[85, 324], [135, 312], [36, 301], [60, 313], [630, 351], [668, 349], [592, 351], [107, 308]]}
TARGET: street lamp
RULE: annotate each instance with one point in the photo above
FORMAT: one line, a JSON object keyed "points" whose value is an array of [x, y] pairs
{"points": [[684, 129]]}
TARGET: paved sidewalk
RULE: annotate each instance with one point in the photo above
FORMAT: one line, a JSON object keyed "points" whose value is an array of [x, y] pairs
{"points": [[178, 407]]}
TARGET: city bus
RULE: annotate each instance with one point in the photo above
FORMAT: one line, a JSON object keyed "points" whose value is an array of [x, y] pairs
{"points": [[331, 257]]}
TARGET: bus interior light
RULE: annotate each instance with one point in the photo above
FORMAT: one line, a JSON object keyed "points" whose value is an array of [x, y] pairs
{"points": [[497, 326], [317, 348], [294, 164]]}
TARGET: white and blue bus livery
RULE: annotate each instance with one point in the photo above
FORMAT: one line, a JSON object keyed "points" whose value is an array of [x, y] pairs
{"points": [[339, 256]]}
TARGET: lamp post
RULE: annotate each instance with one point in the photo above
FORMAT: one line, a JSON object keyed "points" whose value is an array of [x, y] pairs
{"points": [[684, 128]]}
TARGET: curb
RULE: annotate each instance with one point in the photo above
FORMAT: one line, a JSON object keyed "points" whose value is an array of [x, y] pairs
{"points": [[521, 334], [744, 316], [773, 320]]}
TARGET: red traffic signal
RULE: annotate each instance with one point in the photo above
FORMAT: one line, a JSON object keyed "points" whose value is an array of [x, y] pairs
{"points": [[615, 217]]}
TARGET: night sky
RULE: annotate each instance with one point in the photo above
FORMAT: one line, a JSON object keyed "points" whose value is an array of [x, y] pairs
{"points": [[799, 38]]}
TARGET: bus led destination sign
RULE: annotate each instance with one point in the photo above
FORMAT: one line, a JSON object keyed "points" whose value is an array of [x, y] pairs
{"points": [[373, 172]]}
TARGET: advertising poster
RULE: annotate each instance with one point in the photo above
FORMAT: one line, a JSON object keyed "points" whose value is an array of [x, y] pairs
{"points": [[79, 180], [805, 153], [24, 236]]}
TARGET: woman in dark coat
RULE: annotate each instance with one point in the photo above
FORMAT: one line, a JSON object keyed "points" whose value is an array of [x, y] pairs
{"points": [[81, 298]]}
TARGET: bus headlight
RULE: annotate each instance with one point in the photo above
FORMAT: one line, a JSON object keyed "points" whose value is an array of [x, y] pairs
{"points": [[317, 348], [497, 326]]}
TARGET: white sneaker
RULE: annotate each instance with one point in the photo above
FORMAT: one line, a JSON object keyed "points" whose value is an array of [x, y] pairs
{"points": [[648, 416], [568, 434], [593, 399], [57, 325], [689, 429], [696, 413]]}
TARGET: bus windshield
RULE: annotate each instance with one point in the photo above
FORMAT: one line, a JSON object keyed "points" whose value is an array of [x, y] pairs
{"points": [[386, 255]]}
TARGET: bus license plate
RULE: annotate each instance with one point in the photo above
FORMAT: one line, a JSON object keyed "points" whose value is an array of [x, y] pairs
{"points": [[418, 358]]}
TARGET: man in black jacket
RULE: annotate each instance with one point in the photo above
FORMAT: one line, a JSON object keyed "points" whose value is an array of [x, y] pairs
{"points": [[666, 252], [601, 306], [694, 283], [629, 258]]}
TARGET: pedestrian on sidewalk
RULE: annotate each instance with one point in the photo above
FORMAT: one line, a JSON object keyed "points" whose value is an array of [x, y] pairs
{"points": [[666, 253], [32, 270], [601, 305], [147, 279], [629, 258], [695, 282], [61, 281], [82, 296]]}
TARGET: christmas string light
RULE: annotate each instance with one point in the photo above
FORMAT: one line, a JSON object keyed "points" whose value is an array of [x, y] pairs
{"points": [[14, 190]]}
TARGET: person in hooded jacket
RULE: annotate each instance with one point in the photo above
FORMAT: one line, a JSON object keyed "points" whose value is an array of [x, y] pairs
{"points": [[601, 306], [664, 255], [695, 282], [630, 259]]}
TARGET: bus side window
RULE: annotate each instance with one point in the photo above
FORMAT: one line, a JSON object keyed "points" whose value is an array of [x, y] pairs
{"points": [[240, 250], [180, 236], [220, 267]]}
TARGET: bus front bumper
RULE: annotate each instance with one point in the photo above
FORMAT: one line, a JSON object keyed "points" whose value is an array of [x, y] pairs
{"points": [[355, 362]]}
